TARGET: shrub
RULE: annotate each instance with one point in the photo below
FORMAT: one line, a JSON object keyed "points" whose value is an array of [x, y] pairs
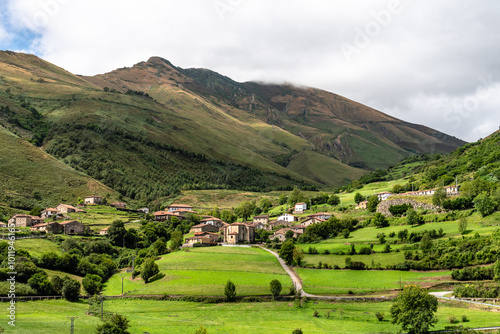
{"points": [[453, 320], [149, 269], [230, 290], [379, 316], [465, 319], [71, 289], [275, 287], [316, 314]]}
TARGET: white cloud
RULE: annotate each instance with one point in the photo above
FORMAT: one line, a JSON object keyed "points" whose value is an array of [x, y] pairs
{"points": [[411, 60]]}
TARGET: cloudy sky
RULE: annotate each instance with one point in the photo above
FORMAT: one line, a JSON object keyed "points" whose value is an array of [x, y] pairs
{"points": [[428, 62]]}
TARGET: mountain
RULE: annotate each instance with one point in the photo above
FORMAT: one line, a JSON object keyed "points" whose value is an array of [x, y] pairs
{"points": [[153, 129]]}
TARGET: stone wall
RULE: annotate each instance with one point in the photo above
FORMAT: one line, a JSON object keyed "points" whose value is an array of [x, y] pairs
{"points": [[384, 206]]}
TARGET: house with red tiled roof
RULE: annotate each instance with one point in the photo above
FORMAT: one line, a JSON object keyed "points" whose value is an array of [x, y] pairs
{"points": [[311, 220], [21, 220], [212, 221], [66, 208], [261, 219], [104, 231], [49, 212], [120, 205], [164, 216], [179, 208], [203, 238], [204, 228], [300, 208], [52, 227], [93, 200], [322, 215]]}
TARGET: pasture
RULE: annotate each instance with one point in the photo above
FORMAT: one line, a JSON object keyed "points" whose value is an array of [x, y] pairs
{"points": [[169, 317], [205, 271]]}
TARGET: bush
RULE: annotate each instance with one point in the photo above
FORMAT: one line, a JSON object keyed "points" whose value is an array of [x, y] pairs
{"points": [[71, 289], [465, 319], [316, 314], [379, 316], [275, 287], [149, 269], [230, 290], [92, 284], [453, 320]]}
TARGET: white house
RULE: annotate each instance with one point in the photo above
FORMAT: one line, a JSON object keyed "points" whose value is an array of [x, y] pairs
{"points": [[383, 195], [287, 217], [300, 207]]}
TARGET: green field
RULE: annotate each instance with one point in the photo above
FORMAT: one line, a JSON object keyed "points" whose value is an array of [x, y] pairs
{"points": [[100, 216], [36, 247], [204, 271], [167, 317], [325, 282]]}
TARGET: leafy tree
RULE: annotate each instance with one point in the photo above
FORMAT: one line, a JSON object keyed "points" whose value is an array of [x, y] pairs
{"points": [[346, 233], [412, 217], [289, 234], [230, 290], [41, 284], [379, 220], [496, 271], [92, 284], [372, 203], [414, 310], [245, 209], [57, 284], [176, 241], [116, 233], [265, 203], [426, 243], [159, 247], [71, 289], [275, 287], [149, 269], [358, 198], [462, 225], [117, 324], [334, 200], [381, 238], [484, 204], [36, 211], [286, 251], [298, 255], [296, 197], [439, 196], [282, 199]]}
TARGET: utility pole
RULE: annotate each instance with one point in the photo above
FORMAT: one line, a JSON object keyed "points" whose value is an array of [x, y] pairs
{"points": [[102, 307], [122, 285], [72, 328]]}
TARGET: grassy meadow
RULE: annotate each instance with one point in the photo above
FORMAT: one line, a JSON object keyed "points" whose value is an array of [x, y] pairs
{"points": [[168, 317], [205, 271]]}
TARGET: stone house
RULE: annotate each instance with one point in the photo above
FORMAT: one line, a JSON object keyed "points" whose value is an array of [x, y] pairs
{"points": [[280, 234], [21, 220], [66, 208], [261, 219], [212, 221], [164, 216], [72, 227], [120, 205], [204, 228], [362, 205], [52, 227], [204, 238], [238, 233], [276, 223], [93, 200], [311, 220], [298, 230]]}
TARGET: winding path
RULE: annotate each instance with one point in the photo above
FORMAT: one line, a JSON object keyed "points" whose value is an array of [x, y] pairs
{"points": [[441, 294]]}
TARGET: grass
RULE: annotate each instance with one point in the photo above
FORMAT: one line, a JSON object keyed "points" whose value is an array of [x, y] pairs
{"points": [[339, 260], [326, 282], [100, 216], [204, 271], [36, 247], [167, 317]]}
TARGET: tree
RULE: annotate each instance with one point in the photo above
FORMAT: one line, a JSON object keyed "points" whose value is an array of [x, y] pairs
{"points": [[412, 217], [462, 225], [149, 269], [496, 271], [92, 284], [227, 216], [298, 255], [275, 287], [230, 290], [484, 204], [358, 198], [265, 203], [414, 310], [379, 220], [298, 331], [346, 233], [426, 243], [282, 199], [439, 196], [116, 233], [296, 197], [117, 324], [41, 284], [71, 289], [286, 251], [176, 240], [334, 200], [372, 203], [289, 234]]}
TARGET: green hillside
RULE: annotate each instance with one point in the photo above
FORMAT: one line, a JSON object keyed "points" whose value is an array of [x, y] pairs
{"points": [[31, 177]]}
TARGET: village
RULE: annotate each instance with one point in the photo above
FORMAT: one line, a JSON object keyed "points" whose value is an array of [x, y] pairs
{"points": [[209, 231]]}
